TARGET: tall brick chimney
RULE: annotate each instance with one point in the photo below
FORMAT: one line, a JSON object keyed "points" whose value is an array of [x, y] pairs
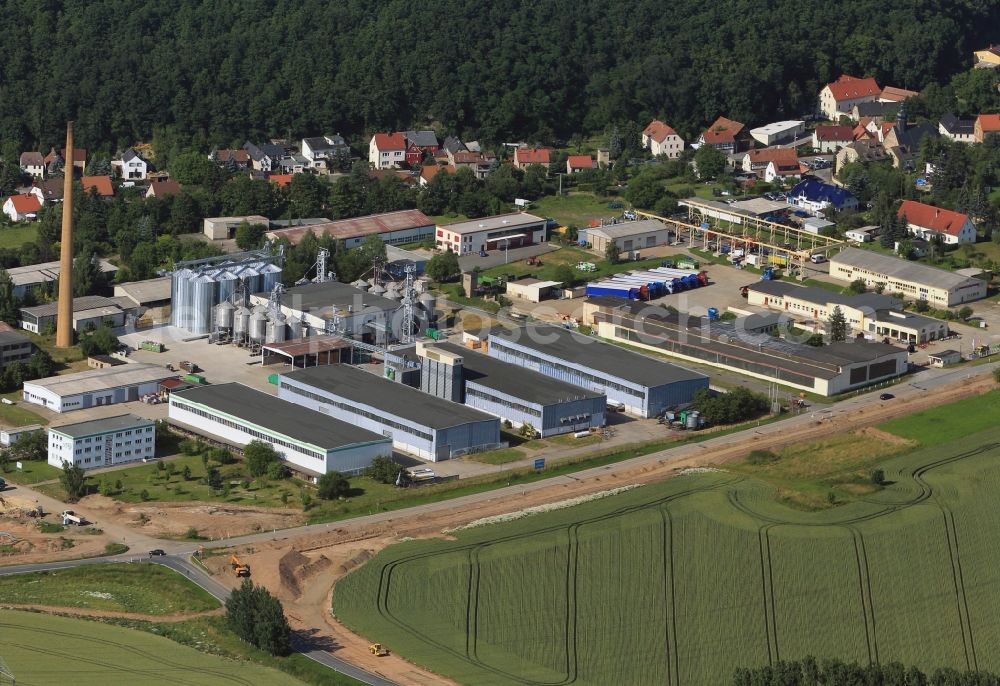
{"points": [[64, 318]]}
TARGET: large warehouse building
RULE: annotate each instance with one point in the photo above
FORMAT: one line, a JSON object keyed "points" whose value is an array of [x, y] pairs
{"points": [[103, 442], [629, 236], [310, 443], [646, 387], [828, 370], [394, 228], [500, 232], [915, 281], [96, 387], [419, 424], [513, 393]]}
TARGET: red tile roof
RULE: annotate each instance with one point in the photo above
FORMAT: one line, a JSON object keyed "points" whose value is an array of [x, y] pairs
{"points": [[893, 94], [850, 88], [390, 141], [162, 188], [658, 131], [722, 131], [403, 220], [531, 155], [580, 162], [989, 123], [782, 157], [102, 184], [834, 133], [240, 155], [79, 154], [431, 170], [932, 218], [281, 180], [25, 204]]}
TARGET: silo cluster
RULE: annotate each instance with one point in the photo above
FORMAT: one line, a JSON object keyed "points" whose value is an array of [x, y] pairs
{"points": [[197, 289]]}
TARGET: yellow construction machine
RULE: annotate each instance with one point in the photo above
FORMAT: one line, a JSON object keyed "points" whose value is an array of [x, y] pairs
{"points": [[239, 569], [378, 650]]}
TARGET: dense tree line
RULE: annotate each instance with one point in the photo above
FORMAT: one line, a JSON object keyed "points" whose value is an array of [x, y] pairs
{"points": [[191, 74], [810, 672]]}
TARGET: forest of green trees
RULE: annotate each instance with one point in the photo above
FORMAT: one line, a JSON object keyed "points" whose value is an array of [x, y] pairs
{"points": [[193, 74]]}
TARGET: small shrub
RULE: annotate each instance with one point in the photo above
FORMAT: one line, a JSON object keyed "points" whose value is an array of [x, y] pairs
{"points": [[878, 477], [192, 534], [144, 495], [50, 527]]}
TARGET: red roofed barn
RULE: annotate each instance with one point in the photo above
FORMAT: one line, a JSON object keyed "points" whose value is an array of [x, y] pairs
{"points": [[832, 138], [661, 139], [985, 125], [726, 135], [575, 163], [925, 221], [100, 184], [21, 207], [839, 97], [527, 156]]}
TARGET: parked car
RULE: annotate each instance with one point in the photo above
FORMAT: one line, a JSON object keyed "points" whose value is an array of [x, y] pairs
{"points": [[886, 396], [156, 552]]}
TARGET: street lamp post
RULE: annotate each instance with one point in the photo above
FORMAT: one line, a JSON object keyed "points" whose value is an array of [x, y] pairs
{"points": [[506, 246]]}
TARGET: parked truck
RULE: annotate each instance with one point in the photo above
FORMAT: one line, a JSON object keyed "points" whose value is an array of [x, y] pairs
{"points": [[189, 367], [152, 346], [69, 517]]}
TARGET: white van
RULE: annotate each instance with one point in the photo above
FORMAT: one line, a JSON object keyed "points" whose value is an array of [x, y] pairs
{"points": [[817, 259]]}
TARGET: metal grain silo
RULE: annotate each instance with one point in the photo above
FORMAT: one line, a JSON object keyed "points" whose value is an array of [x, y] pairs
{"points": [[276, 329], [361, 284], [428, 303], [294, 328], [225, 316], [257, 327], [250, 276], [203, 298], [270, 274], [227, 283], [377, 290], [179, 298], [241, 322]]}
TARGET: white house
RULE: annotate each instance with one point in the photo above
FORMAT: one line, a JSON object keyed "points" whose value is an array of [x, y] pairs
{"points": [[864, 234], [661, 139], [103, 442], [925, 221], [132, 166], [387, 150], [33, 164], [958, 130], [22, 207], [839, 98], [321, 149], [832, 138]]}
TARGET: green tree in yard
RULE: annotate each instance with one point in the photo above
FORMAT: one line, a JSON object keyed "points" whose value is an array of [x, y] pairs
{"points": [[858, 286], [258, 456], [921, 305], [250, 236], [186, 473], [87, 276], [213, 478], [737, 405], [33, 446], [564, 274], [194, 168], [838, 325], [277, 471], [383, 469], [74, 481], [101, 341], [710, 161], [611, 253], [371, 248], [8, 303], [443, 266], [965, 313], [644, 190], [307, 195], [257, 617], [333, 485]]}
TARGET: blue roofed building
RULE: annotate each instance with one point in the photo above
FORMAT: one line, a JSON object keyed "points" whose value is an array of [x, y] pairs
{"points": [[815, 196]]}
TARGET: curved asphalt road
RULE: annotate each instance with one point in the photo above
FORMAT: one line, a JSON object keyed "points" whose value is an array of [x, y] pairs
{"points": [[914, 386]]}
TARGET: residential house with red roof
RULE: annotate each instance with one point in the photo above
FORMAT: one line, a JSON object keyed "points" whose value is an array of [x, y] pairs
{"points": [[524, 157], [99, 184], [661, 139], [481, 164], [161, 189], [832, 138], [577, 163], [985, 125], [893, 94], [22, 207], [429, 171], [236, 158], [726, 135], [280, 180], [418, 144], [757, 160], [387, 150], [838, 98], [925, 221], [33, 164]]}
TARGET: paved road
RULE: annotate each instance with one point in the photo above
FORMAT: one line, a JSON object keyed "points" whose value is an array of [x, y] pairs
{"points": [[497, 257]]}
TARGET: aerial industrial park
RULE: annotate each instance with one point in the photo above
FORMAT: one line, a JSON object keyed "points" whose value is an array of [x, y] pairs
{"points": [[530, 364]]}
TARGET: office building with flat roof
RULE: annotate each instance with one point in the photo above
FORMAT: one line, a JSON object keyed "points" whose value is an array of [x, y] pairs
{"points": [[103, 442]]}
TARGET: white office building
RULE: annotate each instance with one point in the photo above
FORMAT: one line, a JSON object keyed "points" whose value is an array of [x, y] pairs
{"points": [[103, 442]]}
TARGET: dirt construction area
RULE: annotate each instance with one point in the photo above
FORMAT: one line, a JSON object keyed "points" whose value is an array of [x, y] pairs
{"points": [[302, 570], [22, 539]]}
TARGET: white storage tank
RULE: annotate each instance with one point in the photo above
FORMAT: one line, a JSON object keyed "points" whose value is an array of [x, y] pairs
{"points": [[276, 329], [257, 329], [294, 328], [224, 316], [241, 322]]}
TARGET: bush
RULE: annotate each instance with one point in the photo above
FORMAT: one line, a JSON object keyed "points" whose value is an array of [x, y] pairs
{"points": [[878, 477], [738, 405], [277, 471], [190, 447], [192, 534], [221, 455], [383, 469], [259, 456], [333, 485], [144, 495]]}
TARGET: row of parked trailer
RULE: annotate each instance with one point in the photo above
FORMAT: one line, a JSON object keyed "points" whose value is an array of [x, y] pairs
{"points": [[646, 284]]}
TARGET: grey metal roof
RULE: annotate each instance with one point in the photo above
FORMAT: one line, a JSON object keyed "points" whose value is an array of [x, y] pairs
{"points": [[515, 381], [594, 353], [820, 296], [280, 416], [317, 297], [13, 338], [47, 271], [626, 229], [391, 397], [94, 380], [500, 221], [874, 108], [907, 319], [81, 304], [121, 422], [422, 139], [903, 270], [150, 290]]}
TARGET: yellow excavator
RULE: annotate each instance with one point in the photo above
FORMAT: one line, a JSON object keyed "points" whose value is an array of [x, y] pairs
{"points": [[239, 569], [378, 650]]}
